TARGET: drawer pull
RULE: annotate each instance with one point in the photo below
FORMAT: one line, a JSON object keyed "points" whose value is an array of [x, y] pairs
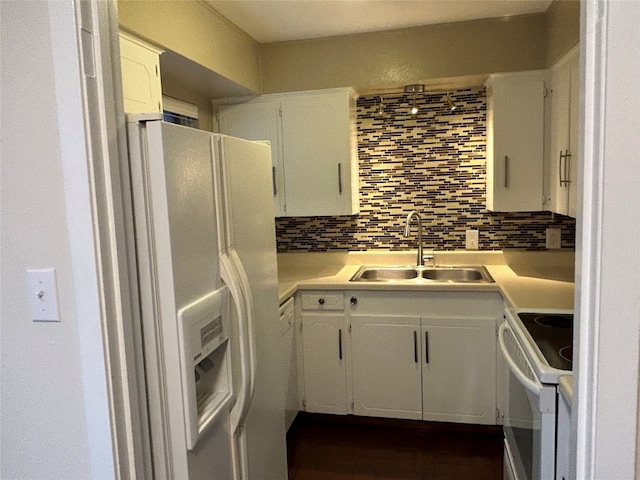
{"points": [[321, 301], [415, 346], [354, 300]]}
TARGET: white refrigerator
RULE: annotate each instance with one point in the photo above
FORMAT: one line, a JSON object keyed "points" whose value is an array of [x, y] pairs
{"points": [[207, 281]]}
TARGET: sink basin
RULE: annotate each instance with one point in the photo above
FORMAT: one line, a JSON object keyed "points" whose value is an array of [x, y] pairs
{"points": [[425, 275], [377, 274], [456, 274]]}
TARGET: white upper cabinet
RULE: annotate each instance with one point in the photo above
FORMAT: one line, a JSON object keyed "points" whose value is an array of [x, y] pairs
{"points": [[140, 65], [515, 141], [314, 148], [258, 121], [563, 134]]}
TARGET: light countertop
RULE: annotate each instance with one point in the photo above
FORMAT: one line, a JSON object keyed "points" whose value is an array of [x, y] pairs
{"points": [[566, 388], [543, 279]]}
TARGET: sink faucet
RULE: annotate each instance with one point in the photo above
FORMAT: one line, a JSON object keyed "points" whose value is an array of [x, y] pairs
{"points": [[414, 213]]}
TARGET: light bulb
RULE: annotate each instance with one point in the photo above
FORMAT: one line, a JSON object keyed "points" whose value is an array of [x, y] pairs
{"points": [[414, 107]]}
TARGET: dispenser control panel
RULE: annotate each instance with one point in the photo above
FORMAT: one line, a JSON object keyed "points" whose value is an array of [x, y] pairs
{"points": [[206, 379]]}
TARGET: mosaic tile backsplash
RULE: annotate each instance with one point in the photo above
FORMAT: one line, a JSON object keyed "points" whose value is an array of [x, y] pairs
{"points": [[433, 162]]}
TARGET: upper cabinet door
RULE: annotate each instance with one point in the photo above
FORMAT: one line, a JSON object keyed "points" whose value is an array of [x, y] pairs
{"points": [[318, 154], [258, 121], [563, 135], [141, 86], [574, 118], [515, 142], [559, 138]]}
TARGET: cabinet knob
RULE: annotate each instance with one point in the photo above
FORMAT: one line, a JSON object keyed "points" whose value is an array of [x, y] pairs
{"points": [[354, 300], [321, 301]]}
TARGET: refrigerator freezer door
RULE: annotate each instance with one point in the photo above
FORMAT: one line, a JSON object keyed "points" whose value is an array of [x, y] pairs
{"points": [[250, 229], [178, 263]]}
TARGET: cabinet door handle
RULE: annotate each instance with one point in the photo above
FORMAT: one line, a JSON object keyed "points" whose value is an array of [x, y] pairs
{"points": [[564, 172], [506, 171], [415, 346], [426, 347], [560, 169], [354, 300], [340, 178], [340, 343], [273, 176]]}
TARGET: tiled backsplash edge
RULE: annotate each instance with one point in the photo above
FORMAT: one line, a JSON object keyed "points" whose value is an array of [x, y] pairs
{"points": [[435, 163]]}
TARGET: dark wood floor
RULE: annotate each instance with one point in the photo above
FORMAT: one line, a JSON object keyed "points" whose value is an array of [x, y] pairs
{"points": [[328, 447]]}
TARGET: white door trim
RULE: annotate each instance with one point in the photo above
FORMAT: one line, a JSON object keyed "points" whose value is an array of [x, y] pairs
{"points": [[608, 261], [106, 183]]}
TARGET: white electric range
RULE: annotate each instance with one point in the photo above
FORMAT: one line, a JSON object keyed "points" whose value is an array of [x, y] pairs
{"points": [[537, 347]]}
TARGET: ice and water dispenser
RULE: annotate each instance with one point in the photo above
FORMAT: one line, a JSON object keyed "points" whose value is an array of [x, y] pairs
{"points": [[206, 361]]}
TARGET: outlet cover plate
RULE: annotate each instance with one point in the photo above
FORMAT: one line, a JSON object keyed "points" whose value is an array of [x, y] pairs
{"points": [[43, 295], [471, 239], [554, 238]]}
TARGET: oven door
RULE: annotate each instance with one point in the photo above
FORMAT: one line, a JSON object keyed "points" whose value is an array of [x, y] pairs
{"points": [[529, 416]]}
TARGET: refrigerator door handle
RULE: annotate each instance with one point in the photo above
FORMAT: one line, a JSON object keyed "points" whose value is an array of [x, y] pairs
{"points": [[242, 301]]}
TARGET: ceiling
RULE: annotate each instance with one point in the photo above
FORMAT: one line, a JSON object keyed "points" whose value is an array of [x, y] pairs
{"points": [[284, 20]]}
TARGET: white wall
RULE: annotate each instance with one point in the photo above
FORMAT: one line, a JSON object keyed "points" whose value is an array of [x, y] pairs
{"points": [[54, 416]]}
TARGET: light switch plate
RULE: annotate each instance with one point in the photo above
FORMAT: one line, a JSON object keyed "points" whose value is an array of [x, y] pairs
{"points": [[43, 295], [554, 238], [471, 239]]}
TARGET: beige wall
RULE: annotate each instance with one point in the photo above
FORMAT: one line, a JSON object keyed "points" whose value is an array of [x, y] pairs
{"points": [[365, 60], [195, 31], [563, 28], [55, 405], [406, 55]]}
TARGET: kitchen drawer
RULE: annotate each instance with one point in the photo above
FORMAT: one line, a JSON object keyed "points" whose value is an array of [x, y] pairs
{"points": [[322, 301]]}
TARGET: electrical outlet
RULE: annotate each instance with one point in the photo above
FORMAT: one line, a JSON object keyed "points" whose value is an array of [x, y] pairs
{"points": [[471, 238], [554, 238]]}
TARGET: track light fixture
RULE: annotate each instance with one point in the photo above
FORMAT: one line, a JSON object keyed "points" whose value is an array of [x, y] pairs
{"points": [[413, 89], [380, 111], [452, 106]]}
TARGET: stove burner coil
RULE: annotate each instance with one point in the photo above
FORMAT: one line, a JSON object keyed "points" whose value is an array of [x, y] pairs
{"points": [[567, 353], [555, 321]]}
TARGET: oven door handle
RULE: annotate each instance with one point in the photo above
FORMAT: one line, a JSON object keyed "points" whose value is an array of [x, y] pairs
{"points": [[532, 386]]}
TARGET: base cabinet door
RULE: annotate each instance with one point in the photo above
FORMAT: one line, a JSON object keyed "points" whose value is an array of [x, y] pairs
{"points": [[386, 366], [458, 370], [325, 353]]}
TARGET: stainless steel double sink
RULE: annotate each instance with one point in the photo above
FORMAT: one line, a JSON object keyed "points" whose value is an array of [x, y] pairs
{"points": [[418, 274]]}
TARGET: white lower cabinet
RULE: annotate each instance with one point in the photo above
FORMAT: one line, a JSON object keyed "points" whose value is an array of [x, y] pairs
{"points": [[459, 370], [324, 354], [414, 355], [289, 352], [386, 366]]}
